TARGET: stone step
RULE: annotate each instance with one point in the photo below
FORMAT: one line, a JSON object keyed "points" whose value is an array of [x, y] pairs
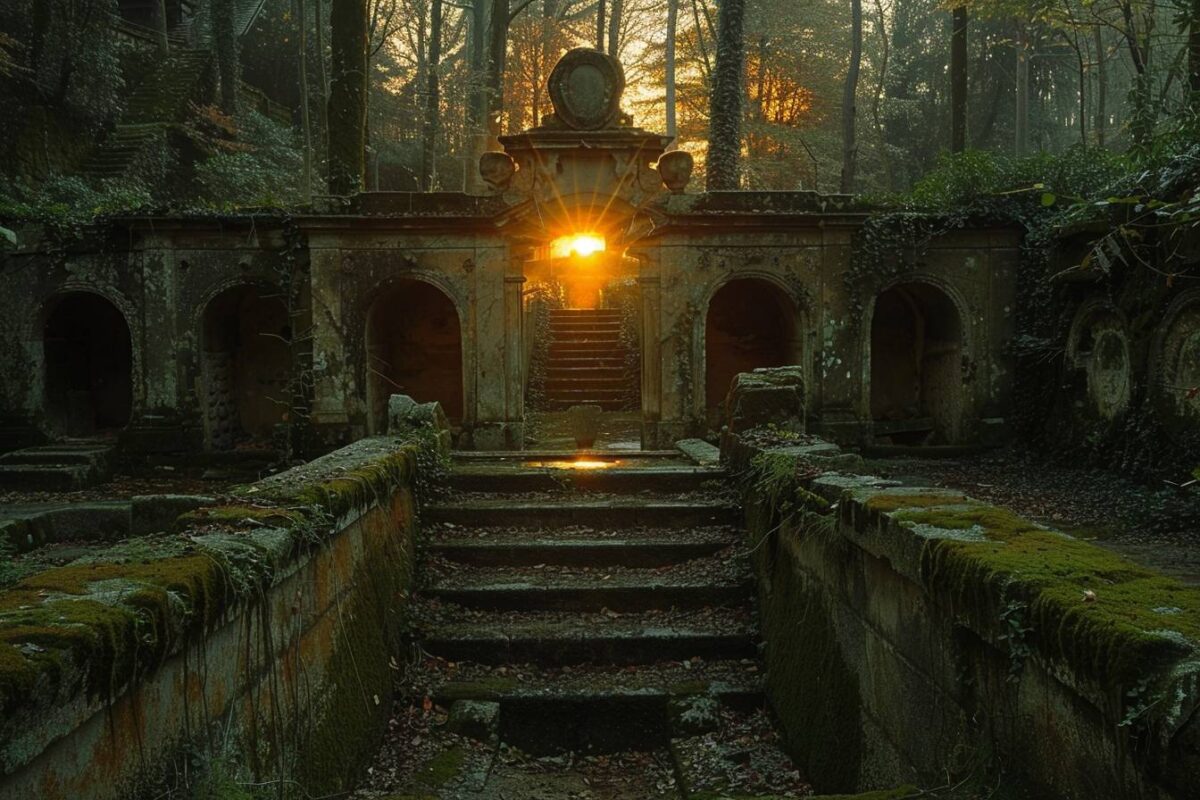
{"points": [[672, 478], [584, 336], [737, 682], [599, 710], [604, 384], [585, 361], [583, 349], [605, 405], [620, 641], [584, 313], [54, 457], [536, 548], [612, 513], [564, 329], [585, 370], [47, 477], [499, 590], [581, 396]]}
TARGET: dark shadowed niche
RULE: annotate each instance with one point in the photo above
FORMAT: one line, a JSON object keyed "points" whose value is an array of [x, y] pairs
{"points": [[916, 367], [245, 366], [89, 365], [414, 347], [751, 323]]}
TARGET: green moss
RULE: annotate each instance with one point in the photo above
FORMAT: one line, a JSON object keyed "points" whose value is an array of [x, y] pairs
{"points": [[886, 503], [1136, 628], [807, 676], [886, 794], [487, 688], [242, 516], [442, 768]]}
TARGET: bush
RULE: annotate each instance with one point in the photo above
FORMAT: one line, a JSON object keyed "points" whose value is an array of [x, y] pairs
{"points": [[268, 172]]}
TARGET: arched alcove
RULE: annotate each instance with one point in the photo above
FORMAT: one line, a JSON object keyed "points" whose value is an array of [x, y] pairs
{"points": [[88, 356], [245, 366], [751, 323], [414, 347], [916, 366]]}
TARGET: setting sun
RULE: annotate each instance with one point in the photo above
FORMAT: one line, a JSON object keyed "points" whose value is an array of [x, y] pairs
{"points": [[578, 244]]}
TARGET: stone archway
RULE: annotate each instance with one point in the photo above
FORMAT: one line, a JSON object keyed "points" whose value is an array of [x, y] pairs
{"points": [[88, 357], [751, 323], [414, 347], [916, 371], [245, 366]]}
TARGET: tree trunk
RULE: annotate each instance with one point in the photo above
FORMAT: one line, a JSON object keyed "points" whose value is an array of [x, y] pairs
{"points": [[880, 87], [958, 81], [1194, 59], [160, 27], [614, 28], [1101, 88], [322, 79], [225, 42], [1021, 123], [725, 99], [433, 99], [305, 121], [1142, 122], [599, 24], [672, 25], [850, 98], [347, 96], [497, 56]]}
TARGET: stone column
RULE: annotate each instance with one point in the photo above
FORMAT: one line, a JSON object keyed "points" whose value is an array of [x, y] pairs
{"points": [[651, 291]]}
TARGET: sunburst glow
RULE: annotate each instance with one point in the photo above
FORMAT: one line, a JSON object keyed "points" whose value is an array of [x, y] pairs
{"points": [[581, 463], [577, 244]]}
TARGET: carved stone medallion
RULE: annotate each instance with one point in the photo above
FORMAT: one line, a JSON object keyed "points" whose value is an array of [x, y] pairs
{"points": [[585, 88]]}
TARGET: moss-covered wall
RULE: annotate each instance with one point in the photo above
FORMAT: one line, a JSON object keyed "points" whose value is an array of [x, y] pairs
{"points": [[271, 628], [914, 634]]}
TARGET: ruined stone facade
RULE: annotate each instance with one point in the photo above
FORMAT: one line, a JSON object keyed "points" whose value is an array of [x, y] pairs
{"points": [[217, 330]]}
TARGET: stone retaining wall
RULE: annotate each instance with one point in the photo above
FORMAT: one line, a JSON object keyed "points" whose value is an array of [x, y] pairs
{"points": [[916, 635], [267, 626]]}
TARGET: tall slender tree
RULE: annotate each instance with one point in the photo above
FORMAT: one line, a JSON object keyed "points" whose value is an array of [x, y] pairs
{"points": [[725, 99], [958, 80], [850, 99], [614, 28], [225, 43], [1193, 28], [348, 96], [305, 116], [433, 97], [672, 26], [600, 11]]}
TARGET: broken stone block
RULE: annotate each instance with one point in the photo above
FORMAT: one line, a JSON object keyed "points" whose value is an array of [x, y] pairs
{"points": [[406, 415], [152, 513], [475, 719], [765, 396]]}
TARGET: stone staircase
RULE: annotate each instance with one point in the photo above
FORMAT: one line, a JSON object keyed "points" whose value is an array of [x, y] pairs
{"points": [[162, 98], [568, 617], [587, 361], [61, 467]]}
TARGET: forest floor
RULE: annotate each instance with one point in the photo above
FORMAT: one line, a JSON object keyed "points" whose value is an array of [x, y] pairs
{"points": [[1157, 526]]}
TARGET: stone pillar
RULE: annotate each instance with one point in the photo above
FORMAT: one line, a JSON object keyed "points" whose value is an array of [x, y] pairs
{"points": [[514, 356], [651, 290], [331, 378]]}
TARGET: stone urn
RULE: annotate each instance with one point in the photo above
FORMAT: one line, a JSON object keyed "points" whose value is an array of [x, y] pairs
{"points": [[497, 170], [675, 169], [585, 425]]}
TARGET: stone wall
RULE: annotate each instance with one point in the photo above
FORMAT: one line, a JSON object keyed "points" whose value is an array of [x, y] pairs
{"points": [[266, 625], [803, 252], [915, 635]]}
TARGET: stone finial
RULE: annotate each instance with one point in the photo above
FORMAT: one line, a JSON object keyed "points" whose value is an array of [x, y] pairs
{"points": [[497, 170], [675, 169], [585, 88]]}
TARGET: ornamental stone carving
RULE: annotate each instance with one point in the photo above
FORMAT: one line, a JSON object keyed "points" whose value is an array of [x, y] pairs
{"points": [[585, 88]]}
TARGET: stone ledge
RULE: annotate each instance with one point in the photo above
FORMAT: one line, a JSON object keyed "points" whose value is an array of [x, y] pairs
{"points": [[1119, 636], [73, 639]]}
